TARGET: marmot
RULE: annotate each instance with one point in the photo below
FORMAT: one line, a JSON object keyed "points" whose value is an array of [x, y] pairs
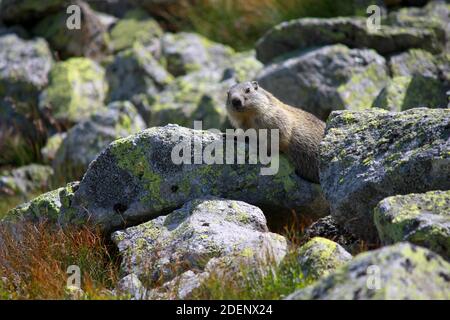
{"points": [[250, 106]]}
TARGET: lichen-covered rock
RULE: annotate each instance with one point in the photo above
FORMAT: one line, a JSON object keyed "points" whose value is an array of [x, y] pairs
{"points": [[88, 138], [135, 26], [306, 33], [76, 90], [199, 95], [319, 257], [423, 219], [24, 180], [189, 98], [135, 71], [46, 207], [406, 92], [328, 228], [434, 15], [399, 272], [130, 286], [135, 179], [52, 145], [325, 79], [90, 40], [188, 238], [368, 156], [19, 11], [187, 52], [414, 62]]}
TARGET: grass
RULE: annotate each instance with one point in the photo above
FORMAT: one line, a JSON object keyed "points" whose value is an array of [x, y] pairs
{"points": [[241, 23], [34, 261], [265, 281]]}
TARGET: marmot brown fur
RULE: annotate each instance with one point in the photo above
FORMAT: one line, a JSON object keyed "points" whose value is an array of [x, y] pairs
{"points": [[250, 106]]}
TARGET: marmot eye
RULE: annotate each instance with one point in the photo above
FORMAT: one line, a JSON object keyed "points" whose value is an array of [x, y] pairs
{"points": [[247, 90]]}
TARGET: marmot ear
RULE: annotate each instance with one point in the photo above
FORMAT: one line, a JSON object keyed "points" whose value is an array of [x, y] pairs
{"points": [[255, 85]]}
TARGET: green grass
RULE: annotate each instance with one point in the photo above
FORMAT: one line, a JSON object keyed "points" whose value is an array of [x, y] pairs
{"points": [[267, 281]]}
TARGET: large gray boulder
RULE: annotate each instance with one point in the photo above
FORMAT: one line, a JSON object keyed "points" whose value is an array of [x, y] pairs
{"points": [[187, 238], [306, 33], [135, 179], [368, 156], [419, 79], [76, 90], [88, 138], [433, 15], [400, 272], [135, 71], [422, 219], [325, 79], [24, 67]]}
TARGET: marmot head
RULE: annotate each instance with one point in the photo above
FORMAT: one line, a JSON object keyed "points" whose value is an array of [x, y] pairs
{"points": [[246, 97]]}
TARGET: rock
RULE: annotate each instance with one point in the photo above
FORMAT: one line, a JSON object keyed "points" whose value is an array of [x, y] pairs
{"points": [[48, 152], [181, 287], [422, 219], [406, 92], [199, 95], [24, 68], [90, 40], [135, 26], [320, 257], [326, 79], [135, 180], [414, 62], [24, 180], [368, 156], [188, 52], [131, 286], [76, 90], [88, 138], [307, 33], [20, 11], [135, 71], [418, 81], [193, 97], [399, 272], [327, 227], [188, 238], [46, 207], [434, 15]]}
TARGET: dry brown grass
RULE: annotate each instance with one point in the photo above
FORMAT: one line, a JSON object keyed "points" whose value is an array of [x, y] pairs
{"points": [[34, 260]]}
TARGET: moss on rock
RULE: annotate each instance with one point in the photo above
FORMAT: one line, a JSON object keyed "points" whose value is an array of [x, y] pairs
{"points": [[76, 90], [423, 219]]}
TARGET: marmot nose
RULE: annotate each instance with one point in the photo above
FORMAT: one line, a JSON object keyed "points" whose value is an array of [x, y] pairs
{"points": [[236, 102]]}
